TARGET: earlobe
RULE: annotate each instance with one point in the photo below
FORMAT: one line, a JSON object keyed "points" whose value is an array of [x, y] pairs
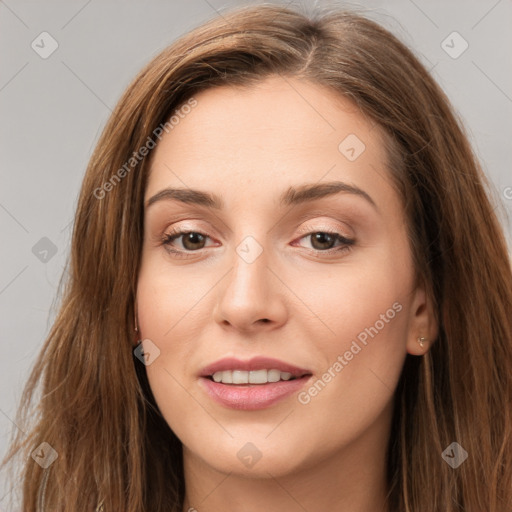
{"points": [[422, 341], [420, 347]]}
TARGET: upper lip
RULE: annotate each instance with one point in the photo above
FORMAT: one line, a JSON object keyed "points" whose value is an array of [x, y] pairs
{"points": [[256, 363]]}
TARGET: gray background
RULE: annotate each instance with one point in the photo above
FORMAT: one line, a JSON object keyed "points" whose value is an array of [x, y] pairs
{"points": [[52, 111]]}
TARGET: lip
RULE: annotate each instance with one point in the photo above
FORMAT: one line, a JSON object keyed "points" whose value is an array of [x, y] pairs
{"points": [[256, 363], [250, 397]]}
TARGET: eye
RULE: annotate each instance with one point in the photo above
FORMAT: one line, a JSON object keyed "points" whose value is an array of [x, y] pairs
{"points": [[192, 241], [324, 241]]}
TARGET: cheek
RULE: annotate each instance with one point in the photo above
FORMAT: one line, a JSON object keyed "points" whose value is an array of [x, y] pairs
{"points": [[362, 354], [168, 297], [362, 327], [171, 315], [167, 317], [359, 298], [159, 315]]}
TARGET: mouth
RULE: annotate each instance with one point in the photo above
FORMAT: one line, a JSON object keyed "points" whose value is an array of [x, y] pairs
{"points": [[254, 384], [254, 377]]}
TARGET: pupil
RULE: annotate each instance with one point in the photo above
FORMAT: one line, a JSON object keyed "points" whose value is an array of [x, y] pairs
{"points": [[190, 239], [320, 237]]}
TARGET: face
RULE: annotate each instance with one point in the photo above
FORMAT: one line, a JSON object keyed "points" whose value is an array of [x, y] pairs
{"points": [[322, 283]]}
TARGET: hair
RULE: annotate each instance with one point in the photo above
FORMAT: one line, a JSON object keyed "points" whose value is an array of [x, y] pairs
{"points": [[95, 406]]}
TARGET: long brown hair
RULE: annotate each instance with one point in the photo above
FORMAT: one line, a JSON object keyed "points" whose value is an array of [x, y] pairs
{"points": [[96, 409]]}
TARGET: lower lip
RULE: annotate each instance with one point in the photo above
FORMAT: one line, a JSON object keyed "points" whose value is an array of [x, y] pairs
{"points": [[250, 397]]}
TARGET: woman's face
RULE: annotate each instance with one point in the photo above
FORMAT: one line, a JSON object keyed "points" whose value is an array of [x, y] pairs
{"points": [[318, 277]]}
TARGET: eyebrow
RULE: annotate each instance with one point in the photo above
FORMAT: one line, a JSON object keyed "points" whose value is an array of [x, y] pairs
{"points": [[291, 196]]}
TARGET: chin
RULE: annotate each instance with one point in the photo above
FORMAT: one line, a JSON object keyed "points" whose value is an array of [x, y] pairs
{"points": [[248, 461]]}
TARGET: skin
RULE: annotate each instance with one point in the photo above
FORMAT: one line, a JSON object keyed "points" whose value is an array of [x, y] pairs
{"points": [[248, 145]]}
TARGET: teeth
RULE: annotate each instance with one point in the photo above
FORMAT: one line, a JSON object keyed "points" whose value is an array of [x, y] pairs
{"points": [[240, 377], [251, 377], [273, 375]]}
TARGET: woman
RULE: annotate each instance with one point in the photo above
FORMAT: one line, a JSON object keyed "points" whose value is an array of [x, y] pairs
{"points": [[288, 289]]}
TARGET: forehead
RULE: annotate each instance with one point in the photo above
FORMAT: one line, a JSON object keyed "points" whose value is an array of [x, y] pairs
{"points": [[268, 136]]}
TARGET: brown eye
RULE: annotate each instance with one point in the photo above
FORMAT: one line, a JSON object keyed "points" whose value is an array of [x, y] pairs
{"points": [[191, 240], [325, 241], [322, 240]]}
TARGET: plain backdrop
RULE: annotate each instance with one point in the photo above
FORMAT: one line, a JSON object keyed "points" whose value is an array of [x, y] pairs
{"points": [[53, 109]]}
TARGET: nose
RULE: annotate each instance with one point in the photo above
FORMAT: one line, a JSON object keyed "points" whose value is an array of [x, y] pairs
{"points": [[252, 296]]}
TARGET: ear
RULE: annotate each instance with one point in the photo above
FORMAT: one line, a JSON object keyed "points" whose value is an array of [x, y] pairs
{"points": [[422, 323]]}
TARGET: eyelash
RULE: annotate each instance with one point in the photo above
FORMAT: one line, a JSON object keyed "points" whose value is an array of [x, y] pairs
{"points": [[173, 235]]}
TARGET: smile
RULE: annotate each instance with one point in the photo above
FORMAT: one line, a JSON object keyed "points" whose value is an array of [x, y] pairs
{"points": [[251, 377]]}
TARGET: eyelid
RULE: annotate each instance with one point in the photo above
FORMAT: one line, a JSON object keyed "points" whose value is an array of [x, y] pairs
{"points": [[324, 228], [179, 228], [184, 228]]}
